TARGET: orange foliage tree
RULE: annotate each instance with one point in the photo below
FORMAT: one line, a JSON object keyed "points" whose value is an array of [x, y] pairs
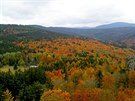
{"points": [[131, 79], [92, 95], [126, 95]]}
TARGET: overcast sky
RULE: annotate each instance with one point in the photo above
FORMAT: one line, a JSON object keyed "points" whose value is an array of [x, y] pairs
{"points": [[66, 13]]}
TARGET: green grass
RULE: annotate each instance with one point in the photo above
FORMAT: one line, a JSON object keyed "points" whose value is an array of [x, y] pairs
{"points": [[11, 68]]}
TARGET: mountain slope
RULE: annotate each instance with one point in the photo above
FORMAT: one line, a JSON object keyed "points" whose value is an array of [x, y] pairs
{"points": [[10, 34]]}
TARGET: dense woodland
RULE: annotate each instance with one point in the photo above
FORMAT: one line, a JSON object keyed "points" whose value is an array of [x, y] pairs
{"points": [[59, 67]]}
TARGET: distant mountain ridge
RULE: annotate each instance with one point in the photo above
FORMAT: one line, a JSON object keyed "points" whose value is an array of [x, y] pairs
{"points": [[27, 32], [116, 25]]}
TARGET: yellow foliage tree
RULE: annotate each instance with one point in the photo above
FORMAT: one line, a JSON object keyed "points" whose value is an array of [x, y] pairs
{"points": [[8, 96], [108, 81], [55, 95]]}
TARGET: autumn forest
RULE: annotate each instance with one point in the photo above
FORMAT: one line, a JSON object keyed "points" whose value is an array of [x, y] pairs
{"points": [[42, 65]]}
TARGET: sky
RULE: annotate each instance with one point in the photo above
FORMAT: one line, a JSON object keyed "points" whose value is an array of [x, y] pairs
{"points": [[66, 13]]}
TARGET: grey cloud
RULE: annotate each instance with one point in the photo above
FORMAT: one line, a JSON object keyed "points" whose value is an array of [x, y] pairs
{"points": [[66, 12], [99, 16], [23, 9]]}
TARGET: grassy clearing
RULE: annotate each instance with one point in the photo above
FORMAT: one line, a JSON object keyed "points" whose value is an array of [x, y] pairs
{"points": [[11, 68]]}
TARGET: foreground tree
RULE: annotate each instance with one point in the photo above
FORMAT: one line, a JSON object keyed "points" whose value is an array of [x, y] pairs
{"points": [[1, 97], [31, 92], [8, 96]]}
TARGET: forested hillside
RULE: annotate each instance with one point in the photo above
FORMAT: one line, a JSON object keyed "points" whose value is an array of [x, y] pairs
{"points": [[40, 65], [16, 33]]}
